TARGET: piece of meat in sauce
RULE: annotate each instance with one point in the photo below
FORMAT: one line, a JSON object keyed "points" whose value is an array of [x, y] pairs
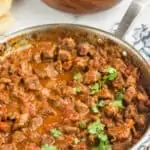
{"points": [[32, 146], [32, 82], [91, 76], [18, 137], [21, 122], [121, 132]]}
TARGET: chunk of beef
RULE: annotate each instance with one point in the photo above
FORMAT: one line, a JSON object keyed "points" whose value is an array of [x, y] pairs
{"points": [[4, 97], [81, 62], [69, 129], [37, 57], [70, 114], [22, 121], [11, 146], [119, 81], [68, 43], [111, 110], [64, 55], [121, 66], [13, 116], [18, 137], [47, 70], [131, 80], [68, 91], [46, 49], [49, 52], [44, 93], [142, 96], [3, 112], [91, 76], [122, 145], [105, 93], [47, 139], [26, 68], [81, 107], [67, 65], [130, 111], [130, 94], [4, 138], [140, 121], [36, 122], [5, 126], [119, 133], [31, 146], [32, 82], [5, 80], [84, 48], [58, 66], [46, 109], [81, 146]]}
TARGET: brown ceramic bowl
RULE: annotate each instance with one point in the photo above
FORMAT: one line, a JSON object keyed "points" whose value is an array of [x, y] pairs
{"points": [[81, 6]]}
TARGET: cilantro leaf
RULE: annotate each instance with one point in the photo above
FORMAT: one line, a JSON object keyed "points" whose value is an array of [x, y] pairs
{"points": [[102, 146], [95, 127], [94, 88], [78, 77], [94, 108], [82, 124], [101, 103], [111, 74], [118, 102], [48, 147], [56, 133], [77, 89]]}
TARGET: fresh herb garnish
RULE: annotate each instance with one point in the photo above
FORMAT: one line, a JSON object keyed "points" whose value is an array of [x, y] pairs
{"points": [[78, 77], [76, 141], [48, 147], [55, 133], [82, 124], [101, 103], [97, 128], [94, 88], [77, 89], [118, 102], [94, 108], [111, 74]]}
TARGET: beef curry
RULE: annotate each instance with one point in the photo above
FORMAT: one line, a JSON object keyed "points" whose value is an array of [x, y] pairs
{"points": [[70, 95]]}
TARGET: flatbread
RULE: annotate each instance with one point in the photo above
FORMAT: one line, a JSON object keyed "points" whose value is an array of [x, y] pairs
{"points": [[5, 6], [6, 22]]}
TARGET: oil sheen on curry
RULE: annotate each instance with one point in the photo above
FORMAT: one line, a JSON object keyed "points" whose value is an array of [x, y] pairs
{"points": [[70, 95]]}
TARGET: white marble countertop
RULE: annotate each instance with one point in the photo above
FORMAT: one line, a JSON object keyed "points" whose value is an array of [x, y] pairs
{"points": [[29, 13], [35, 12]]}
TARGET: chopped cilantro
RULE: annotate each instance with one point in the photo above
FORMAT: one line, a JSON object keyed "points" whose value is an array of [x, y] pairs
{"points": [[76, 141], [95, 127], [78, 77], [118, 102], [94, 88], [111, 74], [102, 146], [56, 133], [48, 147], [77, 89], [82, 124], [94, 108], [101, 103]]}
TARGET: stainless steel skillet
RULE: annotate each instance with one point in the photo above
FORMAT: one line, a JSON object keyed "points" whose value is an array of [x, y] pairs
{"points": [[26, 37]]}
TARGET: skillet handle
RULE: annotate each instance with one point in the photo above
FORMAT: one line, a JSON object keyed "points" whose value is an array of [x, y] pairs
{"points": [[135, 9]]}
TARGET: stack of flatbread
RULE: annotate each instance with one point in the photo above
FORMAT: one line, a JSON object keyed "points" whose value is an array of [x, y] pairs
{"points": [[6, 19]]}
